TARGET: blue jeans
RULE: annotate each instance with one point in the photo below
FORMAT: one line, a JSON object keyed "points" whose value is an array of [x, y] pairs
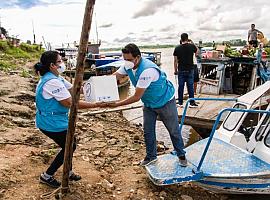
{"points": [[185, 77], [169, 116]]}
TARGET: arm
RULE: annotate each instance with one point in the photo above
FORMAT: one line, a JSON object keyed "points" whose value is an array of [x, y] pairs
{"points": [[134, 98], [118, 75], [81, 104], [258, 31], [197, 50], [175, 65]]}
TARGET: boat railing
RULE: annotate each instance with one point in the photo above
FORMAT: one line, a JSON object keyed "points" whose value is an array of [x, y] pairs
{"points": [[200, 99], [217, 121], [153, 56]]}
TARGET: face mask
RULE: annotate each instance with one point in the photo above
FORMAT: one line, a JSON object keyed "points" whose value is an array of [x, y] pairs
{"points": [[62, 68], [129, 65]]}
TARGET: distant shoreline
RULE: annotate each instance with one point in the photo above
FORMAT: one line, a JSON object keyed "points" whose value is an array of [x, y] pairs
{"points": [[141, 47]]}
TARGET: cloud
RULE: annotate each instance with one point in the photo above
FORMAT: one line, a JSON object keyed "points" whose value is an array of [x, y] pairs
{"points": [[22, 3], [27, 4], [141, 21], [167, 28], [151, 7], [106, 25], [124, 40]]}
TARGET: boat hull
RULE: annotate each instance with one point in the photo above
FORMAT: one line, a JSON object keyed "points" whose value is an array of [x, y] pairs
{"points": [[252, 185]]}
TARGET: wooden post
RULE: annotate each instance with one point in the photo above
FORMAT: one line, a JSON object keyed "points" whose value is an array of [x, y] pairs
{"points": [[76, 93]]}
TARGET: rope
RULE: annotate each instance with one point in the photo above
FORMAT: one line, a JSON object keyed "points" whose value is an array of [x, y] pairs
{"points": [[135, 118], [50, 194]]}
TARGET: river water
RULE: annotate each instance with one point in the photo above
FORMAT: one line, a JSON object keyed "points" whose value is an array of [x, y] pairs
{"points": [[135, 115]]}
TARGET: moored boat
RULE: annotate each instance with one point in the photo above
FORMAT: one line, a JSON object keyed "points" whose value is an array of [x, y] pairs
{"points": [[98, 64], [235, 158]]}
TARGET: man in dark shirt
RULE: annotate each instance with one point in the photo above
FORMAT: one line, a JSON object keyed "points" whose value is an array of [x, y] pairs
{"points": [[183, 67]]}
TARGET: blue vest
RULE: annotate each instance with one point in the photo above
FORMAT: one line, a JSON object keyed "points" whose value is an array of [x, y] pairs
{"points": [[51, 115], [159, 92]]}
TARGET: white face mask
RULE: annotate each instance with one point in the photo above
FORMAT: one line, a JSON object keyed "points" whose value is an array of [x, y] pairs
{"points": [[128, 65], [62, 68]]}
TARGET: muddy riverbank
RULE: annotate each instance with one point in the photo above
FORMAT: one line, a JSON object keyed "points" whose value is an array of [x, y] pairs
{"points": [[107, 157]]}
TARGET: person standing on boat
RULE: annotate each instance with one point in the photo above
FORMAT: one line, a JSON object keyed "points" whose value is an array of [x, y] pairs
{"points": [[184, 68], [252, 36], [157, 94], [53, 100]]}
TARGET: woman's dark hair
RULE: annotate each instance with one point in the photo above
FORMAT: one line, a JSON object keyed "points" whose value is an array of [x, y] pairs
{"points": [[133, 49], [46, 59]]}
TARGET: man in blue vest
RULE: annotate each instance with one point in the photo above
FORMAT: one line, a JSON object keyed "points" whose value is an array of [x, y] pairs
{"points": [[157, 94]]}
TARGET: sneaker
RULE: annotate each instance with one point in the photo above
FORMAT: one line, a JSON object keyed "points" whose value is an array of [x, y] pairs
{"points": [[183, 161], [193, 105], [74, 177], [51, 181], [179, 105], [147, 161]]}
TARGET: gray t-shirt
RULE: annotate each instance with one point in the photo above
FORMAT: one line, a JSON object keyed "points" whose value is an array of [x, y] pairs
{"points": [[252, 34]]}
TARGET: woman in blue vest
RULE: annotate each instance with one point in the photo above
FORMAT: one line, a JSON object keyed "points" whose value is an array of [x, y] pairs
{"points": [[53, 100], [157, 94]]}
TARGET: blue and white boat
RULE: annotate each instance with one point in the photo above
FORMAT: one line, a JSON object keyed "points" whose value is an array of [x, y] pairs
{"points": [[235, 158]]}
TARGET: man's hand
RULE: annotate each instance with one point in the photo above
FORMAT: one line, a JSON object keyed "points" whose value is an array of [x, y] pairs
{"points": [[102, 104], [112, 104], [106, 104]]}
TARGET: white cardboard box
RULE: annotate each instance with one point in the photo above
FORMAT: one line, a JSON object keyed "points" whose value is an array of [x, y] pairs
{"points": [[101, 89]]}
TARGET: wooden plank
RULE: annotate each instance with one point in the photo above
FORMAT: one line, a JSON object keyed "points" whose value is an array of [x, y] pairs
{"points": [[205, 115]]}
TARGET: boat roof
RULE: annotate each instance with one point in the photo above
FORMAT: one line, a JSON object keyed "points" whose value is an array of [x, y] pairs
{"points": [[226, 160], [252, 96]]}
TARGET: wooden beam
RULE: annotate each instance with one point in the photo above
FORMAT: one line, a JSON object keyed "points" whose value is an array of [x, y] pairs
{"points": [[76, 93]]}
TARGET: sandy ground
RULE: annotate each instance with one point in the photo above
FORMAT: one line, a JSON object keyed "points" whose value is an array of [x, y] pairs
{"points": [[107, 157]]}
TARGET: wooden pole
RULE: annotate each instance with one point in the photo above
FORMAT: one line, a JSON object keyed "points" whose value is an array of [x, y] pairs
{"points": [[76, 93], [110, 110]]}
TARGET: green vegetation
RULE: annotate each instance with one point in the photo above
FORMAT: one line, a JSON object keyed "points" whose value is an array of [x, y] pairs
{"points": [[13, 57], [232, 52], [25, 73], [236, 42], [267, 50]]}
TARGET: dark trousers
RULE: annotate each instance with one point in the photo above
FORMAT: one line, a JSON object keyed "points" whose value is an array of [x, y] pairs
{"points": [[60, 139], [185, 77]]}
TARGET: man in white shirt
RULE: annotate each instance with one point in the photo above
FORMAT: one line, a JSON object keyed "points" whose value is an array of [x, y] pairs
{"points": [[157, 94]]}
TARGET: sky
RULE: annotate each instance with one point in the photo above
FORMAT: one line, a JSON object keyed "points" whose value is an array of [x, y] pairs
{"points": [[143, 22]]}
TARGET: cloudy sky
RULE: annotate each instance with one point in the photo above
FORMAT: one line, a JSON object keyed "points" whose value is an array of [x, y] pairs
{"points": [[144, 22]]}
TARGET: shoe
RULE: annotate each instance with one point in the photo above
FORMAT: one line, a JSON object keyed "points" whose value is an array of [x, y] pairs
{"points": [[193, 105], [52, 182], [179, 105], [147, 161], [183, 161], [74, 177]]}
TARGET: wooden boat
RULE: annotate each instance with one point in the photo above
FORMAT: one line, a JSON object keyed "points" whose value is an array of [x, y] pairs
{"points": [[234, 159], [220, 78], [97, 64], [230, 75]]}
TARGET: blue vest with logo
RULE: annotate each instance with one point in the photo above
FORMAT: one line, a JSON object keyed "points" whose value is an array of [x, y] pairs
{"points": [[51, 115], [159, 92]]}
